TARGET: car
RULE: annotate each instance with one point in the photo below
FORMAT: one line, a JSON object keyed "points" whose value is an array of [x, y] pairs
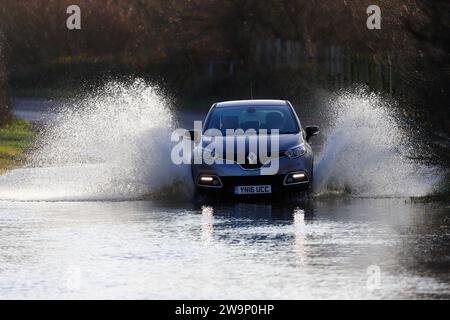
{"points": [[227, 169]]}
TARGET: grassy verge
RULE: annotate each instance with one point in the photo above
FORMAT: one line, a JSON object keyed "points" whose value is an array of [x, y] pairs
{"points": [[15, 139]]}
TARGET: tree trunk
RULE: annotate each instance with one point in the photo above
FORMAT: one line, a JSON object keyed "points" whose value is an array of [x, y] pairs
{"points": [[5, 113]]}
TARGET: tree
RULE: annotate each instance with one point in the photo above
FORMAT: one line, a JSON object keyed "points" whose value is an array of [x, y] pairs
{"points": [[4, 97]]}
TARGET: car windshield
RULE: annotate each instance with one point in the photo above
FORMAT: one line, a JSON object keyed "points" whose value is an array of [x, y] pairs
{"points": [[252, 117]]}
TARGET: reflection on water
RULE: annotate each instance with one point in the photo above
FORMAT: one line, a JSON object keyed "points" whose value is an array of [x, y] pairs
{"points": [[315, 249], [299, 234], [207, 223]]}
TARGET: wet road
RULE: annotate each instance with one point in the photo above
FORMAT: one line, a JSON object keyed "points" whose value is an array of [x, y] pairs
{"points": [[326, 247]]}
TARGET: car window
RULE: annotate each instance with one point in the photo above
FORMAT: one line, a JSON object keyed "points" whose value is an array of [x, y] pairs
{"points": [[253, 117]]}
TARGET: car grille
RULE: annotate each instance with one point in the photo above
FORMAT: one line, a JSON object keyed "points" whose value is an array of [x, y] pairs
{"points": [[247, 165], [252, 180]]}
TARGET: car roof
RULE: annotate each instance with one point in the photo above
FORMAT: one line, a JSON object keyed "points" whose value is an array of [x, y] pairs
{"points": [[251, 103]]}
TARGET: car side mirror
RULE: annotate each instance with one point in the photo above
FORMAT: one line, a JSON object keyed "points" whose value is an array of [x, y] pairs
{"points": [[311, 131]]}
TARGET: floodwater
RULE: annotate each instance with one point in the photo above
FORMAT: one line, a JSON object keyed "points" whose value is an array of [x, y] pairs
{"points": [[325, 248], [99, 212]]}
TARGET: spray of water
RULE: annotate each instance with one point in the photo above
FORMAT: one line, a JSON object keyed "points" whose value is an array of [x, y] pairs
{"points": [[367, 151], [113, 144]]}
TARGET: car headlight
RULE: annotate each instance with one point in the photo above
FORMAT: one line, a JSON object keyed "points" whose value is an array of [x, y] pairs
{"points": [[296, 152]]}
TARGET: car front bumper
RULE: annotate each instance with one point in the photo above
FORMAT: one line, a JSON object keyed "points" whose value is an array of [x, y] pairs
{"points": [[232, 175]]}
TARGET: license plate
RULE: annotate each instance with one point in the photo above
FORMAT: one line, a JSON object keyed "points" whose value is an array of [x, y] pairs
{"points": [[253, 189]]}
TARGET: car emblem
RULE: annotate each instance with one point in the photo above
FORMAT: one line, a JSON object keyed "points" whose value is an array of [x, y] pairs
{"points": [[252, 158]]}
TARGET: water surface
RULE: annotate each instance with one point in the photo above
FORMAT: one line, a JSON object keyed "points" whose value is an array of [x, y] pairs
{"points": [[321, 248]]}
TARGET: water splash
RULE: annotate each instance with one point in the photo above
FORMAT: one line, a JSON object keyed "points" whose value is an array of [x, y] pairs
{"points": [[367, 151], [113, 144]]}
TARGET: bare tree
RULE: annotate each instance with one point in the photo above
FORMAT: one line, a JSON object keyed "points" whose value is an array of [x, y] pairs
{"points": [[4, 96]]}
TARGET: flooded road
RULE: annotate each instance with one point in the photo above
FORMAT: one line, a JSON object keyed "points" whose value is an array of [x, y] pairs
{"points": [[325, 248], [99, 211]]}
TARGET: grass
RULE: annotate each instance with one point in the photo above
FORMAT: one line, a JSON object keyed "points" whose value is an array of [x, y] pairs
{"points": [[15, 139]]}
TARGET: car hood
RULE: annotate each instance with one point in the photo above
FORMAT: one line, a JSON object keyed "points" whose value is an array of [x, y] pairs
{"points": [[285, 142]]}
